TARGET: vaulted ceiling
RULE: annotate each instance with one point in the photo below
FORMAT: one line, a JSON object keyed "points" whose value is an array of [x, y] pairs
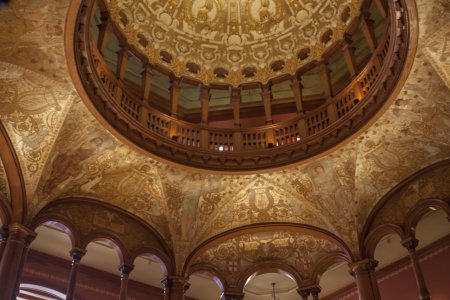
{"points": [[65, 152]]}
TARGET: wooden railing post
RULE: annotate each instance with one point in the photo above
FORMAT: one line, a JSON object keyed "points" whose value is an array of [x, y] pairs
{"points": [[204, 138], [237, 141]]}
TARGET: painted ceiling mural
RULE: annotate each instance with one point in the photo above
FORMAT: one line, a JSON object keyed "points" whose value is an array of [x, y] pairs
{"points": [[64, 151], [235, 256], [232, 35]]}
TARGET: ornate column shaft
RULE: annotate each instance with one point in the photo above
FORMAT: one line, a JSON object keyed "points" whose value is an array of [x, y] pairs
{"points": [[175, 287], [411, 244], [349, 55], [365, 281], [125, 271], [13, 259], [76, 255]]}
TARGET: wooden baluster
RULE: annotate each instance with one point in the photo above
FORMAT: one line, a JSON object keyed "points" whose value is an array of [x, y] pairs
{"points": [[349, 56], [411, 244], [297, 89], [105, 29], [368, 31]]}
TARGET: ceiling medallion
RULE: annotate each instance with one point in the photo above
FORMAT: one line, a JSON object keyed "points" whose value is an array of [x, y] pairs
{"points": [[232, 34]]}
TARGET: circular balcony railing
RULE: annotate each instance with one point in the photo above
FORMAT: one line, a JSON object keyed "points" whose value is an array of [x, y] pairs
{"points": [[128, 109]]}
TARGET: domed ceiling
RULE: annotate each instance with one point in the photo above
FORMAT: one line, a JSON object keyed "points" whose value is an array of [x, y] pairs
{"points": [[224, 38]]}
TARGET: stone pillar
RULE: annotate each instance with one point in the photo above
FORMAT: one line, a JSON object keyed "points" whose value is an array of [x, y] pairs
{"points": [[125, 271], [315, 291], [76, 255], [175, 287], [411, 244], [14, 255], [304, 294], [365, 279]]}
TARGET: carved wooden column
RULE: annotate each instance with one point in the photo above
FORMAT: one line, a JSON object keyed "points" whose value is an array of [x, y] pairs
{"points": [[14, 256], [205, 97], [125, 271], [122, 61], [368, 31], [267, 100], [175, 92], [147, 79], [175, 287], [236, 105], [349, 56], [411, 244], [367, 286], [326, 79], [104, 30], [297, 89], [76, 255], [315, 291], [304, 294]]}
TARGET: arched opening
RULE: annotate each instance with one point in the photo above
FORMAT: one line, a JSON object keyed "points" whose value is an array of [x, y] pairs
{"points": [[260, 286], [202, 281], [334, 278], [149, 270], [35, 292]]}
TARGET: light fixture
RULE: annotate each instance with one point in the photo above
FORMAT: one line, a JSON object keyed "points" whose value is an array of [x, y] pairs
{"points": [[273, 297]]}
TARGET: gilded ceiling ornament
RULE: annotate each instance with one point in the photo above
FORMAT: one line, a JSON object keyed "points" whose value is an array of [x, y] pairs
{"points": [[232, 35]]}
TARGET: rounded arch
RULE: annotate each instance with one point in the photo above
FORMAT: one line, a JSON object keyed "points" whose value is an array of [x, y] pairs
{"points": [[14, 174], [216, 276], [69, 209], [159, 257], [377, 234], [265, 227], [111, 240], [269, 267], [66, 225], [327, 262], [420, 209], [381, 204]]}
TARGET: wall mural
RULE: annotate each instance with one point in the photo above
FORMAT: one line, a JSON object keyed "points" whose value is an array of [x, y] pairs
{"points": [[234, 257]]}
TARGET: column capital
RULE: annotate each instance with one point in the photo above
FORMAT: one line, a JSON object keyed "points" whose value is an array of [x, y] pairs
{"points": [[18, 232], [77, 253], [176, 282], [125, 269], [232, 294], [410, 243], [315, 290], [364, 265], [304, 293]]}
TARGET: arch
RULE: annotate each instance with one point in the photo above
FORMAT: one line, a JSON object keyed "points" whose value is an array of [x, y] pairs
{"points": [[111, 240], [161, 259], [377, 234], [269, 267], [216, 276], [265, 227], [65, 224], [420, 209], [375, 212], [14, 174], [325, 263], [95, 219], [42, 290]]}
